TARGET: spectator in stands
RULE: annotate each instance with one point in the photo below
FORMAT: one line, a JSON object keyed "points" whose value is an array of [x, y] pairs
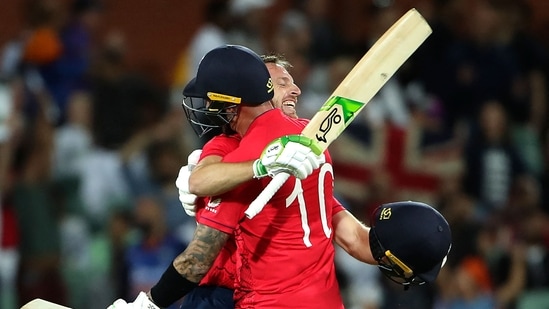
{"points": [[492, 163]]}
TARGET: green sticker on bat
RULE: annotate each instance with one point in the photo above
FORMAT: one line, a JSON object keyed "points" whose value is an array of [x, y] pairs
{"points": [[348, 106]]}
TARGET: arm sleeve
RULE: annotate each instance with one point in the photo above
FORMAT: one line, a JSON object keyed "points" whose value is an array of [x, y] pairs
{"points": [[336, 206], [224, 212]]}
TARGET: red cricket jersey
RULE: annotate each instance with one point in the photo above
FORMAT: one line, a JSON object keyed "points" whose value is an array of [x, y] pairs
{"points": [[223, 269], [285, 254]]}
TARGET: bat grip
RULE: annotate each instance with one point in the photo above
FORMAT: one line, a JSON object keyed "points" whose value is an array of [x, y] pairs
{"points": [[265, 196]]}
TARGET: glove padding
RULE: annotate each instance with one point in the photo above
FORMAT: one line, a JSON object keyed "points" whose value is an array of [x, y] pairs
{"points": [[186, 198], [294, 154], [141, 302]]}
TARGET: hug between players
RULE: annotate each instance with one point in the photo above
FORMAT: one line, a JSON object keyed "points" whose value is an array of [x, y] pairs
{"points": [[93, 136]]}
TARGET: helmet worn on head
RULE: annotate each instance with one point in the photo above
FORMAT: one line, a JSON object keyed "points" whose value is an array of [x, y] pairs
{"points": [[227, 77], [410, 241]]}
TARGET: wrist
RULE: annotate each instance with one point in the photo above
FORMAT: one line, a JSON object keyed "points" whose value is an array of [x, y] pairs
{"points": [[170, 288]]}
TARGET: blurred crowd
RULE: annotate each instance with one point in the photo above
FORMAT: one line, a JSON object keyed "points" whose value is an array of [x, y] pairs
{"points": [[90, 147]]}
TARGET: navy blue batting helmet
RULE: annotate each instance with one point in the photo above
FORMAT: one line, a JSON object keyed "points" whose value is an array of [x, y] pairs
{"points": [[227, 77], [410, 241]]}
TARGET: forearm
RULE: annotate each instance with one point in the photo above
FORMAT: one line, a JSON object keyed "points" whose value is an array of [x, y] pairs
{"points": [[201, 252], [212, 177], [189, 267], [353, 236]]}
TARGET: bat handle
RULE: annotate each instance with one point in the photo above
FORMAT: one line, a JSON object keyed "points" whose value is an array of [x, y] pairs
{"points": [[265, 196]]}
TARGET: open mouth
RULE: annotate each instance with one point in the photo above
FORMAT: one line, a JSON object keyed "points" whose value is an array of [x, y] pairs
{"points": [[290, 104]]}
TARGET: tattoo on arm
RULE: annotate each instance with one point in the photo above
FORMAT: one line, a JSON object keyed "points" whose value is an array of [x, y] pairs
{"points": [[200, 254]]}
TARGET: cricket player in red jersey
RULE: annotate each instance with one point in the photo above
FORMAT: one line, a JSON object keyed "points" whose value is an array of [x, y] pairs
{"points": [[215, 290]]}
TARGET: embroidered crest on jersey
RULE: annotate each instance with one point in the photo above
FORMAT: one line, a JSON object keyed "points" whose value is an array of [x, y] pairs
{"points": [[212, 204]]}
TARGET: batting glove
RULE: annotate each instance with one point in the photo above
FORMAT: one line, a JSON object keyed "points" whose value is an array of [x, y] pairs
{"points": [[294, 154], [141, 302], [186, 198], [120, 304]]}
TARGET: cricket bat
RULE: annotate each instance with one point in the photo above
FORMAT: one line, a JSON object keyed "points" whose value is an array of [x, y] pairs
{"points": [[366, 78], [39, 303]]}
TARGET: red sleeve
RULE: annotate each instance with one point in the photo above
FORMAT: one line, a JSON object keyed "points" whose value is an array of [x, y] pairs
{"points": [[336, 206], [224, 212], [220, 145], [200, 204]]}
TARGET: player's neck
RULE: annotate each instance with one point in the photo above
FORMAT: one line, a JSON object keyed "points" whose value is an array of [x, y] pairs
{"points": [[247, 114]]}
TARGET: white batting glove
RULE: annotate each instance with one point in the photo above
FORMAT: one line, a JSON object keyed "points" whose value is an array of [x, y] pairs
{"points": [[186, 198], [193, 158], [120, 304], [141, 302], [293, 154]]}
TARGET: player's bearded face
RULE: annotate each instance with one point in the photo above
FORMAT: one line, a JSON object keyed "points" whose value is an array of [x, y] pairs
{"points": [[223, 115]]}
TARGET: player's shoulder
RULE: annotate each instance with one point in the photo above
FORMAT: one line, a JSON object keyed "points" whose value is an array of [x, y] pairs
{"points": [[220, 145], [225, 138], [222, 139]]}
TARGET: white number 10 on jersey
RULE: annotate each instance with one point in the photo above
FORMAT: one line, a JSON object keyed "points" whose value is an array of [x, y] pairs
{"points": [[297, 193]]}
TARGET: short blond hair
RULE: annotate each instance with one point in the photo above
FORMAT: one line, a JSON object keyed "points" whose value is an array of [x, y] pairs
{"points": [[277, 59]]}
